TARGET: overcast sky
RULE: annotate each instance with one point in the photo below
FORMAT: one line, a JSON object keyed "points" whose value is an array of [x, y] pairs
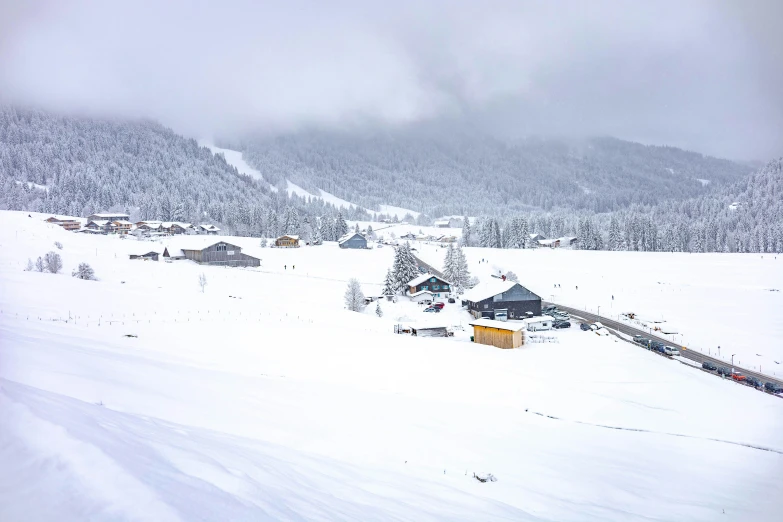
{"points": [[703, 75]]}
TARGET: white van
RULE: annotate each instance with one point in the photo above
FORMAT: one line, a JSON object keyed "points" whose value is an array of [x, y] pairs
{"points": [[671, 350], [537, 324]]}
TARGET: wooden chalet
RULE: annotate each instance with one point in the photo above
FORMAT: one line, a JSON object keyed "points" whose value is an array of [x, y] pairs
{"points": [[67, 224], [121, 226], [108, 216], [287, 241], [498, 333], [430, 283], [220, 254]]}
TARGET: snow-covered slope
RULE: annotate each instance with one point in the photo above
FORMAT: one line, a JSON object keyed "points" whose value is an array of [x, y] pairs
{"points": [[234, 157], [261, 399]]}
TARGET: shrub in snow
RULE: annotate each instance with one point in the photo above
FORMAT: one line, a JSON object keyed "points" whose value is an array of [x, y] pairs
{"points": [[378, 310], [354, 297], [473, 281], [58, 245], [39, 265], [84, 271], [485, 477], [263, 242], [202, 281], [511, 276], [53, 262], [30, 267]]}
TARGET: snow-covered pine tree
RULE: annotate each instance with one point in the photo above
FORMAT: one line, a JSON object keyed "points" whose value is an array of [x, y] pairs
{"points": [[462, 272], [450, 265], [389, 285], [354, 297], [326, 229], [378, 310], [615, 237], [340, 226], [466, 232], [405, 267]]}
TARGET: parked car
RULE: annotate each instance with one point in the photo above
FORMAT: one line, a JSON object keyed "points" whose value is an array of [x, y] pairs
{"points": [[452, 300], [722, 370], [709, 366], [432, 309], [671, 350], [561, 324], [738, 377], [638, 339], [439, 305], [548, 309], [597, 326], [584, 327], [771, 387], [753, 382]]}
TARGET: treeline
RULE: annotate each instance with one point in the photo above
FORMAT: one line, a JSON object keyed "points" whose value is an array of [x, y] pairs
{"points": [[79, 166], [746, 216]]}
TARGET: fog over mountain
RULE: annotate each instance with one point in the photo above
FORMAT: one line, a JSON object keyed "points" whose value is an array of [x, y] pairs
{"points": [[700, 75]]}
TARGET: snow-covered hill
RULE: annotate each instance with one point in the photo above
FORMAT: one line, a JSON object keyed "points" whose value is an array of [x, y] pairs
{"points": [[137, 397], [235, 158]]}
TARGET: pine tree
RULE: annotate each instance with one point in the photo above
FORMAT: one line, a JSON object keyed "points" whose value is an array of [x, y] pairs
{"points": [[378, 310], [326, 229], [389, 285], [354, 297], [615, 237], [340, 226], [450, 265], [405, 267], [462, 273], [466, 232]]}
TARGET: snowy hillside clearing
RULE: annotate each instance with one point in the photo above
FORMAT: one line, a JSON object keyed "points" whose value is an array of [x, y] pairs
{"points": [[261, 399]]}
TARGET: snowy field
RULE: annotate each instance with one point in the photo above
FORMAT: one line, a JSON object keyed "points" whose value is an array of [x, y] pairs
{"points": [[261, 399]]}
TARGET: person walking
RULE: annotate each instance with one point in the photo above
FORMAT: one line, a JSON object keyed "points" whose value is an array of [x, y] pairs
{"points": [[285, 267]]}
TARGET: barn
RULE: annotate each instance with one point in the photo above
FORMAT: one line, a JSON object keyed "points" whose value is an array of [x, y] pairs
{"points": [[352, 240], [149, 255], [499, 298], [220, 254], [498, 333]]}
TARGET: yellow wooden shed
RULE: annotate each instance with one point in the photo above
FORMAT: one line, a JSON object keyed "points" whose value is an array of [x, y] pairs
{"points": [[498, 333]]}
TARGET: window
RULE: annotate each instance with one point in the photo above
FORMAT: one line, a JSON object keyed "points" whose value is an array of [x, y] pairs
{"points": [[425, 287], [435, 287], [221, 247], [486, 305], [445, 287], [432, 280]]}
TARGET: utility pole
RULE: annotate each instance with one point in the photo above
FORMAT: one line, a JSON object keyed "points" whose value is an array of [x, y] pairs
{"points": [[732, 362]]}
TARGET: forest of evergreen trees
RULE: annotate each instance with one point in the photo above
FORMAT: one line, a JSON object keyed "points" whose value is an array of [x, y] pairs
{"points": [[447, 170], [78, 166]]}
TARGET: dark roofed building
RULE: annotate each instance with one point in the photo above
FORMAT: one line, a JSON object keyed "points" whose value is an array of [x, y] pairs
{"points": [[220, 253], [498, 299], [352, 240]]}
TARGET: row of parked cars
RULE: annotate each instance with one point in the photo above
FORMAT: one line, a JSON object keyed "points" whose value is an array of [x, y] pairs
{"points": [[723, 371], [561, 319], [656, 346]]}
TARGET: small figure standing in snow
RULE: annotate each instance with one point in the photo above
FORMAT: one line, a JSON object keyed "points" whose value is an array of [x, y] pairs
{"points": [[577, 288], [285, 267], [612, 298], [293, 267]]}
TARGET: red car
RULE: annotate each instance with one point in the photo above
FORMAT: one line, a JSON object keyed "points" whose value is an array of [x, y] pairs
{"points": [[439, 306], [738, 377]]}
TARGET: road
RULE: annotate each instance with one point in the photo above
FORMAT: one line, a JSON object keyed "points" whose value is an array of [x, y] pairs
{"points": [[684, 352], [429, 268]]}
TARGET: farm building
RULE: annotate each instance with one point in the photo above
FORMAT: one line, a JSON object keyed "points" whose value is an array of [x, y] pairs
{"points": [[422, 297], [148, 256], [499, 298], [535, 238], [431, 283], [173, 254], [208, 253], [287, 242], [352, 240], [67, 224], [108, 216], [429, 331], [498, 333]]}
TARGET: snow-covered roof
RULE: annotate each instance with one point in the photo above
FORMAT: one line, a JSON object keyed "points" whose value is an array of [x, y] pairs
{"points": [[346, 237], [539, 319], [210, 227], [547, 242], [109, 215], [501, 325], [442, 222], [99, 222], [122, 222], [570, 239], [416, 294], [422, 278], [486, 290], [289, 236]]}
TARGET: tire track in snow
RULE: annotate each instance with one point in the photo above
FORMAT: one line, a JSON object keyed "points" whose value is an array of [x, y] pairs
{"points": [[641, 430]]}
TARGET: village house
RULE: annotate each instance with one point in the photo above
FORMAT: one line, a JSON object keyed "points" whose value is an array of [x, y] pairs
{"points": [[535, 238], [498, 333], [176, 228], [430, 283], [109, 216], [206, 252], [287, 241], [153, 256], [67, 224], [101, 226], [210, 230], [501, 299], [425, 296], [352, 240], [121, 226]]}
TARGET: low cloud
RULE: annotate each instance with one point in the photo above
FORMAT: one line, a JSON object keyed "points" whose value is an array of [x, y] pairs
{"points": [[693, 74]]}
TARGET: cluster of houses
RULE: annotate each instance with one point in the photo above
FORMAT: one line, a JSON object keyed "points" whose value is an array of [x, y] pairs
{"points": [[560, 242], [119, 223], [429, 237], [492, 305]]}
